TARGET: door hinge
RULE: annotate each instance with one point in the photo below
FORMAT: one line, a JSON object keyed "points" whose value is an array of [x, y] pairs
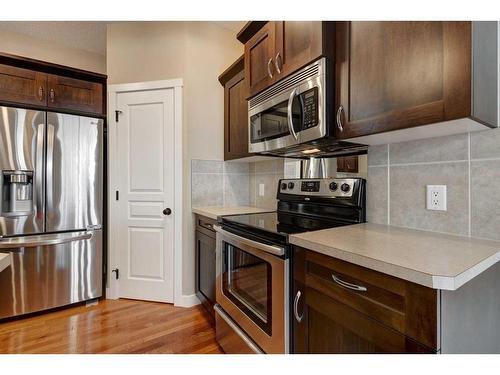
{"points": [[117, 114], [117, 273], [117, 195]]}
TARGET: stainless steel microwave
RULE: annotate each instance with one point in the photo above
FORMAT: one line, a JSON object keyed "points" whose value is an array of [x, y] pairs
{"points": [[291, 118]]}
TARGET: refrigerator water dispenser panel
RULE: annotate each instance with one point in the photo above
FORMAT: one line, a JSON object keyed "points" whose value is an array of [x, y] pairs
{"points": [[17, 193]]}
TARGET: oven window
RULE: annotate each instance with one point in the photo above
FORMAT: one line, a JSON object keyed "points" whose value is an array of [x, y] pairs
{"points": [[273, 122], [247, 283]]}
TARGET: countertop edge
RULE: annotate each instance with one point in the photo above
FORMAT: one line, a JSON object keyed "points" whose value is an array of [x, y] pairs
{"points": [[418, 277], [4, 261], [198, 211], [239, 210]]}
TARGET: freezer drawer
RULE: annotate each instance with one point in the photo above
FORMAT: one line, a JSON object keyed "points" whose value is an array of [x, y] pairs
{"points": [[74, 172], [46, 276]]}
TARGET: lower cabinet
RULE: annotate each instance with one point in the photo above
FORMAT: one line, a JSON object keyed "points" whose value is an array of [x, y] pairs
{"points": [[205, 263], [339, 307]]}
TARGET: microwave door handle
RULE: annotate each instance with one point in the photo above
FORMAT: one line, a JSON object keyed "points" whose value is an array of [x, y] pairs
{"points": [[290, 117]]}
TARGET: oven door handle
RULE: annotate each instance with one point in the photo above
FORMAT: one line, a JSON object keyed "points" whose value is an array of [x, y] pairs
{"points": [[290, 114], [275, 250]]}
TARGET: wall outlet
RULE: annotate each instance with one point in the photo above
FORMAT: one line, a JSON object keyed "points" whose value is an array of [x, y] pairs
{"points": [[261, 190], [436, 197]]}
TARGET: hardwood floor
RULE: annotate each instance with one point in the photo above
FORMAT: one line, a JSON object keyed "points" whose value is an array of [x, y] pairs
{"points": [[121, 326]]}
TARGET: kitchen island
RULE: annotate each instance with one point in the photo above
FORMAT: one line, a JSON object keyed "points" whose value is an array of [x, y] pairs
{"points": [[411, 290]]}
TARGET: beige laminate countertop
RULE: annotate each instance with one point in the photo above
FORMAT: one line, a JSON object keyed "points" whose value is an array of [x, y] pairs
{"points": [[4, 261], [435, 260], [213, 212]]}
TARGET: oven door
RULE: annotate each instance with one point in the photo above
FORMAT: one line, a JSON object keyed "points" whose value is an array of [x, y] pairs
{"points": [[251, 288]]}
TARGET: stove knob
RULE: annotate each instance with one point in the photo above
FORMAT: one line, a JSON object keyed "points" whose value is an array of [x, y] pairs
{"points": [[345, 188], [283, 186], [333, 186], [291, 185]]}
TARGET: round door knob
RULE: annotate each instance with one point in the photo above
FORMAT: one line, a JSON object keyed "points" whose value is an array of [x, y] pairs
{"points": [[167, 211]]}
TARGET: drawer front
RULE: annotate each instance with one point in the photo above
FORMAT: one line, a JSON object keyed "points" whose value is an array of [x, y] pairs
{"points": [[336, 328], [205, 225], [406, 307]]}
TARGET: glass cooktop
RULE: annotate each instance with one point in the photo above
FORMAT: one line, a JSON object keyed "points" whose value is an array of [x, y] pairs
{"points": [[278, 223]]}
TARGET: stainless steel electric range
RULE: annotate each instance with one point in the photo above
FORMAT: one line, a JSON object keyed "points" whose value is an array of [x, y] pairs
{"points": [[253, 254]]}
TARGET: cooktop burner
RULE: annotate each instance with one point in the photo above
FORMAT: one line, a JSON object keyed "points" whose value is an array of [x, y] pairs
{"points": [[304, 205]]}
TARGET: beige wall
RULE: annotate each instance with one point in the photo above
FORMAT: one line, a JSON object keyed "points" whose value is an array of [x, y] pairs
{"points": [[197, 52], [27, 46]]}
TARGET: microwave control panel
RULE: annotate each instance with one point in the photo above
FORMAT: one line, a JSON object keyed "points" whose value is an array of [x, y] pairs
{"points": [[310, 108]]}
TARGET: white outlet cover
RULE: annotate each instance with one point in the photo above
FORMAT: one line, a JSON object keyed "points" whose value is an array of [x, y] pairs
{"points": [[261, 190], [436, 197]]}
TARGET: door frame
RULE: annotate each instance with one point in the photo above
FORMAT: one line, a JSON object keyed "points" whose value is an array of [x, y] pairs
{"points": [[112, 289]]}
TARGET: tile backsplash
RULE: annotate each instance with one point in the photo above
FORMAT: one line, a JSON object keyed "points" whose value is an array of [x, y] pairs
{"points": [[219, 183], [469, 164]]}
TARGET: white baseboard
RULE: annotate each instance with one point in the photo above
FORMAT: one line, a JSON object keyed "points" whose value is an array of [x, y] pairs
{"points": [[111, 294], [187, 300]]}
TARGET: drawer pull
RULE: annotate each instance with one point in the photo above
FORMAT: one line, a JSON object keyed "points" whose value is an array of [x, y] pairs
{"points": [[206, 226], [298, 317], [347, 285]]}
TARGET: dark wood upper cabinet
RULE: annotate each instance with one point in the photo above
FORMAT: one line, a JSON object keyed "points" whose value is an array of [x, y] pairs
{"points": [[41, 85], [297, 43], [259, 59], [280, 48], [24, 86], [395, 75], [235, 111], [74, 94], [385, 314]]}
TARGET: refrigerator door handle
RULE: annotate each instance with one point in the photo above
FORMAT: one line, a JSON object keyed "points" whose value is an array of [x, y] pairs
{"points": [[12, 244], [39, 169], [50, 169]]}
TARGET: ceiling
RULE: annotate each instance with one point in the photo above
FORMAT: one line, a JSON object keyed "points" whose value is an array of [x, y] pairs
{"points": [[87, 36], [234, 26]]}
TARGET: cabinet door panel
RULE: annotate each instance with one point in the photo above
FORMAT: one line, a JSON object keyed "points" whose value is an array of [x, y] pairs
{"points": [[335, 328], [236, 118], [75, 94], [205, 269], [394, 75], [259, 60], [297, 44], [390, 315], [22, 85]]}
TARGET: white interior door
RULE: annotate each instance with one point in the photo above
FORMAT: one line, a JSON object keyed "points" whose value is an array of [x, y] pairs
{"points": [[145, 153]]}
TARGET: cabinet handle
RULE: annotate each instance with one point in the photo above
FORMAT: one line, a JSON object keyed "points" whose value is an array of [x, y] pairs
{"points": [[52, 95], [339, 118], [270, 74], [280, 65], [345, 284], [206, 226], [40, 93], [298, 317]]}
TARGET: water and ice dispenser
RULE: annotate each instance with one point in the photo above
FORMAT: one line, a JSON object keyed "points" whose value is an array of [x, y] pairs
{"points": [[17, 193]]}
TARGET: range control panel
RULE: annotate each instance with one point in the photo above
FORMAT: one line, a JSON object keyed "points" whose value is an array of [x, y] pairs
{"points": [[321, 187]]}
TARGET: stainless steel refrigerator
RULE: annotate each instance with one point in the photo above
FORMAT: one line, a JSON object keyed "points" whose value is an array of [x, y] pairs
{"points": [[51, 185]]}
